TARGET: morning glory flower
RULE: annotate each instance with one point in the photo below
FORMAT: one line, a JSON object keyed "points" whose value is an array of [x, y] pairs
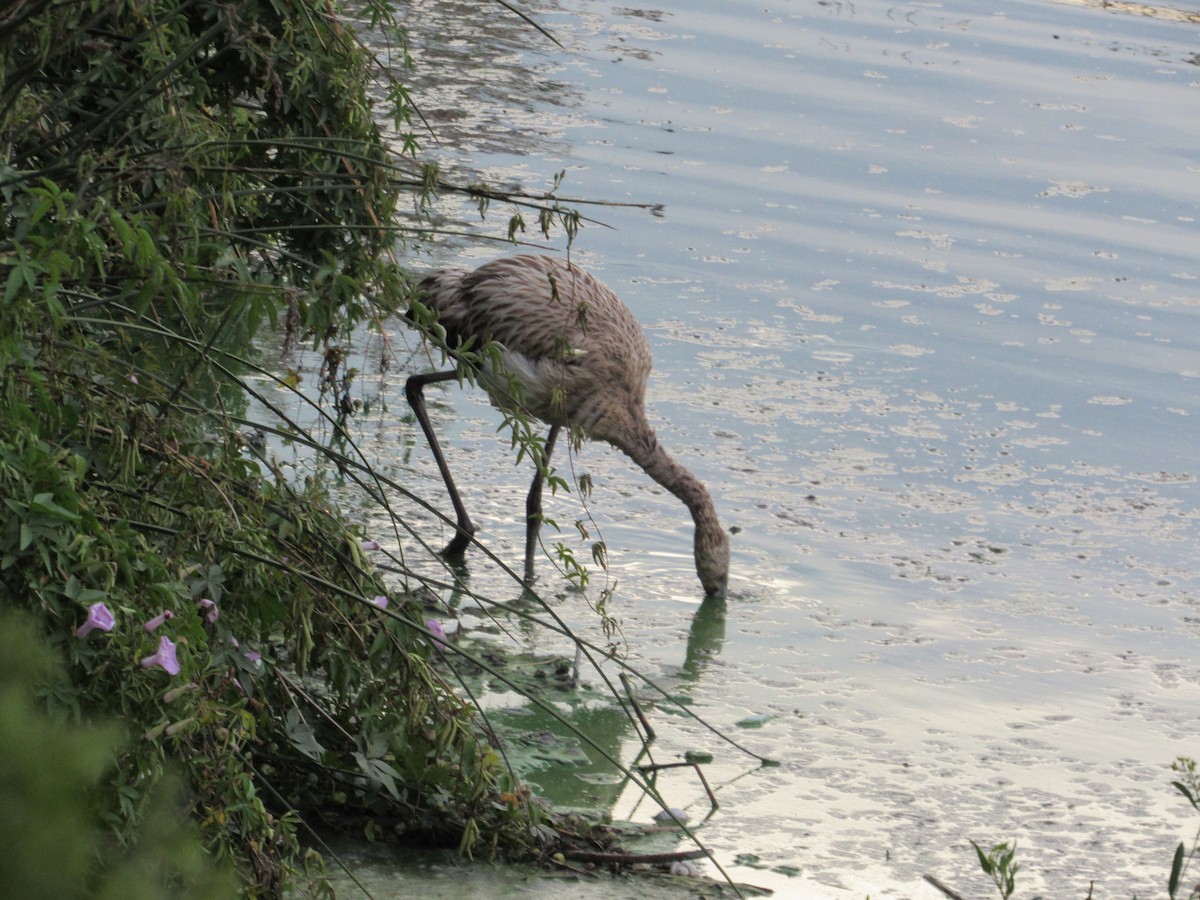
{"points": [[438, 632], [255, 658], [158, 620], [165, 658], [98, 617], [211, 608], [381, 601]]}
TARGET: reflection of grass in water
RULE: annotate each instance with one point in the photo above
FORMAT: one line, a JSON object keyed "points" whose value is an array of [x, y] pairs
{"points": [[568, 740], [550, 755], [569, 737]]}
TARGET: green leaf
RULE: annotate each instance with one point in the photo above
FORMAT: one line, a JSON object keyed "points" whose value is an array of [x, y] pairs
{"points": [[1176, 872], [16, 280], [985, 861], [1187, 792], [26, 537], [44, 503], [302, 736]]}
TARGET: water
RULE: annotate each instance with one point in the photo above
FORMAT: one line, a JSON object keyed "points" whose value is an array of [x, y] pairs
{"points": [[923, 300]]}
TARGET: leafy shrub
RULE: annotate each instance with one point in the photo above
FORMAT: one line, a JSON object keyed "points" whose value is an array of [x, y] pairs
{"points": [[175, 174]]}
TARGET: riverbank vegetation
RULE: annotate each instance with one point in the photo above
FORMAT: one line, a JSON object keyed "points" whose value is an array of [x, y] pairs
{"points": [[175, 176], [198, 660]]}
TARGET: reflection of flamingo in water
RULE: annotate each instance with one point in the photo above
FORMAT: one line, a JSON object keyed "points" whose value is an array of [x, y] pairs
{"points": [[571, 353]]}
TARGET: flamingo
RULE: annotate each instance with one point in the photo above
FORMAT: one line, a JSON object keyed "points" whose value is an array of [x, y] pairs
{"points": [[570, 354]]}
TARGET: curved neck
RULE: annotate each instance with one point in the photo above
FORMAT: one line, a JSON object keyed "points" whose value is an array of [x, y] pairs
{"points": [[676, 478], [711, 542]]}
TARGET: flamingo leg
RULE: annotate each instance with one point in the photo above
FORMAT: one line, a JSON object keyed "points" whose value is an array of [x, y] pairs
{"points": [[416, 399], [533, 503]]}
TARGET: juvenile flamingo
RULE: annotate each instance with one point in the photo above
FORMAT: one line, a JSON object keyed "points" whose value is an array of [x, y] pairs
{"points": [[576, 357]]}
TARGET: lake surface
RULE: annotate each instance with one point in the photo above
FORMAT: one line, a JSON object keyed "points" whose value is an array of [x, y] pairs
{"points": [[924, 302]]}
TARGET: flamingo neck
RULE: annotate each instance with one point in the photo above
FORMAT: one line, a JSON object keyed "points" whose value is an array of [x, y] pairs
{"points": [[711, 543]]}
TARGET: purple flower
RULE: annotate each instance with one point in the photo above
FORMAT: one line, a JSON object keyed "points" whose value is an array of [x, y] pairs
{"points": [[370, 545], [381, 602], [164, 658], [211, 607], [158, 620], [438, 633], [98, 617], [255, 657]]}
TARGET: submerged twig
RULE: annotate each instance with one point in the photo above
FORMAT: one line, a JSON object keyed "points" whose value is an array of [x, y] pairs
{"points": [[953, 895], [712, 797], [617, 857], [637, 709]]}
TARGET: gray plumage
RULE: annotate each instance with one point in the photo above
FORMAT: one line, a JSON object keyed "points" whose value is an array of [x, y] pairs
{"points": [[577, 358]]}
